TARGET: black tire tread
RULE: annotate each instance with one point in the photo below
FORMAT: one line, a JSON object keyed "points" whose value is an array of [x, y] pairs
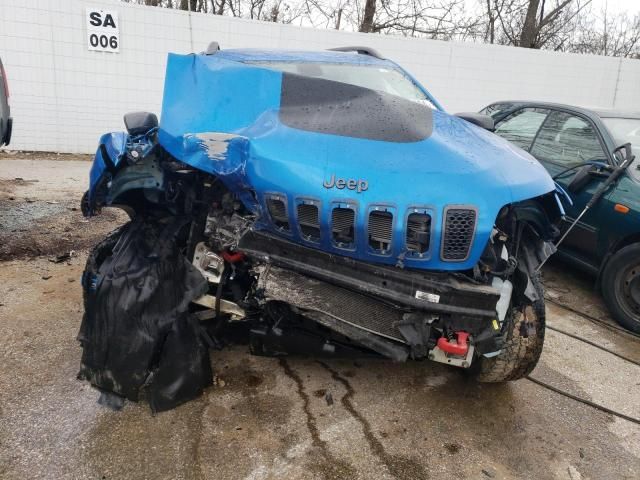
{"points": [[608, 285], [520, 354]]}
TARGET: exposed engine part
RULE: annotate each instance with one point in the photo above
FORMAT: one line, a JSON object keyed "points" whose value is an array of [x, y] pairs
{"points": [[210, 264], [233, 309], [225, 225]]}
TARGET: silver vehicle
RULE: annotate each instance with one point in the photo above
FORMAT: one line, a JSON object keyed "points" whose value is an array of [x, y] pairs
{"points": [[5, 112]]}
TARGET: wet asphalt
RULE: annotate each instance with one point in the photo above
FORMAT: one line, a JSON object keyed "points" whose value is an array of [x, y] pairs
{"points": [[297, 417]]}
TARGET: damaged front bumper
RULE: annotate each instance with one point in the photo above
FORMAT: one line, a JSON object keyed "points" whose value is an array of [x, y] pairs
{"points": [[400, 314]]}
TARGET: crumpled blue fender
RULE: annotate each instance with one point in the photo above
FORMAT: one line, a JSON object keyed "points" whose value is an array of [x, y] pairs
{"points": [[115, 144]]}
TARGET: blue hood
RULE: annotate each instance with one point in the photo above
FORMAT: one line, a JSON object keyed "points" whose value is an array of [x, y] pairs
{"points": [[227, 118]]}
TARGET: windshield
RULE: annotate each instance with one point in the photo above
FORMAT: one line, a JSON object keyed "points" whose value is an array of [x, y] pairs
{"points": [[626, 130], [373, 77]]}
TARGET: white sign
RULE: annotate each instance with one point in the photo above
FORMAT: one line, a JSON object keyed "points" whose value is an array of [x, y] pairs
{"points": [[103, 30], [429, 297]]}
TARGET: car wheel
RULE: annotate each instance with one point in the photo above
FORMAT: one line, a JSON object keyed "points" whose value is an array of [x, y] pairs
{"points": [[523, 335], [621, 286]]}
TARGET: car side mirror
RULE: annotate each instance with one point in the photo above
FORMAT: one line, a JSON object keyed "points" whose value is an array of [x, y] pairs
{"points": [[622, 152], [479, 119], [139, 123]]}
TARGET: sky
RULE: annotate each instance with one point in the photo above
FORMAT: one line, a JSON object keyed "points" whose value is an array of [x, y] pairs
{"points": [[614, 6], [619, 5]]}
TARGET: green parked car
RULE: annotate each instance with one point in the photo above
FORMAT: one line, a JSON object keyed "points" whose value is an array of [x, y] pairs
{"points": [[576, 146]]}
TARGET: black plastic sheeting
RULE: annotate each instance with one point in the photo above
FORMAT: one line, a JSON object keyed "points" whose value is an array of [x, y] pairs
{"points": [[325, 106], [137, 334]]}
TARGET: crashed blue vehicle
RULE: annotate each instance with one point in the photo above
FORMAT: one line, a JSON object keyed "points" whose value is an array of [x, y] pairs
{"points": [[325, 202]]}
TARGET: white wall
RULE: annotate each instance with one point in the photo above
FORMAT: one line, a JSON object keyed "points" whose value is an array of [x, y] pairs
{"points": [[64, 96]]}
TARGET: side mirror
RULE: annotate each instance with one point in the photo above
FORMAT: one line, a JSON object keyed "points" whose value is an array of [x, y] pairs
{"points": [[623, 152], [479, 119], [139, 123]]}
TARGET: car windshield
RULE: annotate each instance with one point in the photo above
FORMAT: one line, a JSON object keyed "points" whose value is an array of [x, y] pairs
{"points": [[626, 130], [373, 77]]}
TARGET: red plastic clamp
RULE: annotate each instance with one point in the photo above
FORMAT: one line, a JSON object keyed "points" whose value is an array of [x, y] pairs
{"points": [[234, 257], [460, 346]]}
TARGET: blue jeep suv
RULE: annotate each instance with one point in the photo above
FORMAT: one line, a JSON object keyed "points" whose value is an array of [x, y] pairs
{"points": [[325, 202]]}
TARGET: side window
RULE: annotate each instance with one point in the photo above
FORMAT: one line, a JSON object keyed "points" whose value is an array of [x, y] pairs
{"points": [[567, 139], [521, 126]]}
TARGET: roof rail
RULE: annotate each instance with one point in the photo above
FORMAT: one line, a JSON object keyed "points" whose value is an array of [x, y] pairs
{"points": [[212, 49], [361, 50]]}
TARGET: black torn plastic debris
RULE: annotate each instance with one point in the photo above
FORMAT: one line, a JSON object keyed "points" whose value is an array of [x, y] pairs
{"points": [[137, 333]]}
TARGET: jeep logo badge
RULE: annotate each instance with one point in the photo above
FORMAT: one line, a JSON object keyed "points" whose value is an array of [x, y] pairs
{"points": [[358, 185]]}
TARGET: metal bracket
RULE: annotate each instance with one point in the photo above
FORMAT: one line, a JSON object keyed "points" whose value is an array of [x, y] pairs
{"points": [[438, 355], [208, 263], [209, 301]]}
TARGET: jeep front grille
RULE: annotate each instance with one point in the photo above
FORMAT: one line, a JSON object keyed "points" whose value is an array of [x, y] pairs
{"points": [[278, 212], [309, 221], [459, 228], [342, 226], [380, 230], [418, 232]]}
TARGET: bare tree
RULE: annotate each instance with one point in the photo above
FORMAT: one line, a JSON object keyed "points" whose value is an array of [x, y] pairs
{"points": [[531, 23], [326, 13], [444, 19], [563, 25], [367, 19], [191, 5], [602, 33], [537, 20]]}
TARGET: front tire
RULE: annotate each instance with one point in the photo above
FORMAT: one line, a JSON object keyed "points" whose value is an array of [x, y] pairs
{"points": [[523, 333], [621, 287]]}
